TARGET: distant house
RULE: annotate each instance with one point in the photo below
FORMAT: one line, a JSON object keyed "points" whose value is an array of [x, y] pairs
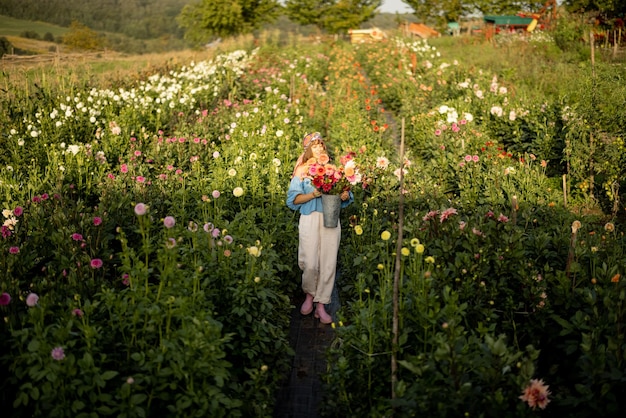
{"points": [[509, 23], [359, 36], [421, 30]]}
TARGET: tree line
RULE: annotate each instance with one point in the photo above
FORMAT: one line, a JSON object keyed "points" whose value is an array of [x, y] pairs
{"points": [[200, 21]]}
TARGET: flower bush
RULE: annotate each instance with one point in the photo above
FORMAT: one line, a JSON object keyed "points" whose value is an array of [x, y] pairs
{"points": [[148, 259]]}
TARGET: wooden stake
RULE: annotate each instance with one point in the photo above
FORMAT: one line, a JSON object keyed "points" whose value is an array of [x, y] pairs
{"points": [[396, 276], [565, 190]]}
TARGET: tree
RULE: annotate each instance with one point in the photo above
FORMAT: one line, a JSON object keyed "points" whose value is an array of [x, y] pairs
{"points": [[81, 37], [440, 12], [5, 46], [307, 12], [221, 18], [615, 8], [334, 16]]}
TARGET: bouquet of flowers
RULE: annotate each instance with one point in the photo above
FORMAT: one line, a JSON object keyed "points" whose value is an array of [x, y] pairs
{"points": [[334, 179]]}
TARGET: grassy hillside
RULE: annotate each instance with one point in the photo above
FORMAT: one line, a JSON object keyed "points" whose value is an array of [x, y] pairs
{"points": [[14, 27]]}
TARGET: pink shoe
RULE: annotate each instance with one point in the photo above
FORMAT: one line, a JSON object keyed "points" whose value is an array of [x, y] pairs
{"points": [[320, 313], [307, 306]]}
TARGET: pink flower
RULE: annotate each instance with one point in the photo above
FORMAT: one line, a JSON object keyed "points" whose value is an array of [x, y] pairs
{"points": [[227, 253], [208, 227], [96, 263], [36, 199], [536, 394], [137, 153], [58, 353], [77, 312], [126, 279], [6, 232], [97, 220], [228, 239], [170, 243], [216, 194], [215, 232], [18, 211], [447, 213], [140, 179], [124, 168], [5, 298], [430, 215], [169, 221], [77, 237], [489, 214], [140, 209], [437, 132], [503, 218], [468, 158], [475, 158], [45, 196], [32, 299], [14, 250]]}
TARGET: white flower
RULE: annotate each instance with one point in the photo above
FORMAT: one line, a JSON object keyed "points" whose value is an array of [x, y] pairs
{"points": [[232, 172], [276, 162], [443, 109], [238, 192], [468, 117], [74, 149], [279, 133], [453, 116], [382, 162], [496, 111]]}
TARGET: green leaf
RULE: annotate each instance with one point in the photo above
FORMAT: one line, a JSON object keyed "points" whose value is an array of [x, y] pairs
{"points": [[110, 374], [77, 405], [33, 346], [138, 398]]}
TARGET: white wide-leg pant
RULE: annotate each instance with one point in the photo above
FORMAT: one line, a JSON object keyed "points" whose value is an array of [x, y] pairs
{"points": [[317, 256]]}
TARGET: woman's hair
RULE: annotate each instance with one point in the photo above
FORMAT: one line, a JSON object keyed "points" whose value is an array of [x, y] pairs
{"points": [[308, 154]]}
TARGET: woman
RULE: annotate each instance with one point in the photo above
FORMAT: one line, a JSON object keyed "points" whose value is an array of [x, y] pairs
{"points": [[318, 246]]}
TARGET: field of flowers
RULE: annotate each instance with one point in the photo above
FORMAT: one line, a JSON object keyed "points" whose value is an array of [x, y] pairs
{"points": [[148, 259]]}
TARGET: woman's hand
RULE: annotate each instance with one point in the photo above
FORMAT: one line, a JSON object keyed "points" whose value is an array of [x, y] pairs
{"points": [[316, 193], [345, 195]]}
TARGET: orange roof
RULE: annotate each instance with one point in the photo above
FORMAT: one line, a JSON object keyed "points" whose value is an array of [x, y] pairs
{"points": [[422, 30]]}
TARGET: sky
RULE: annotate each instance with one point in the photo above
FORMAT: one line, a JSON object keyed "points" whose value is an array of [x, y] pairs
{"points": [[392, 6]]}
